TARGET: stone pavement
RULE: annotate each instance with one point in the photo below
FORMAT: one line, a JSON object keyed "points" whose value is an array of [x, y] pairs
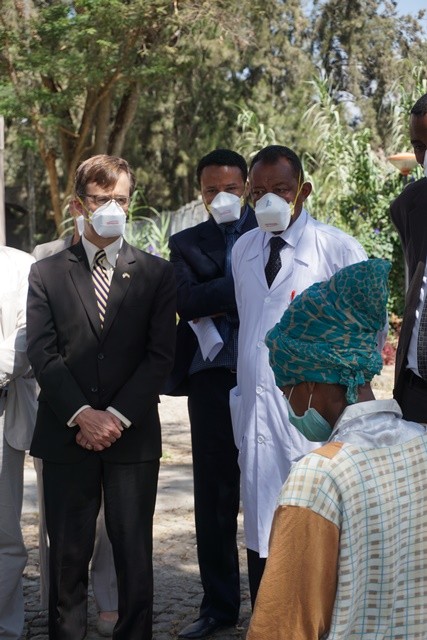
{"points": [[177, 589], [177, 592]]}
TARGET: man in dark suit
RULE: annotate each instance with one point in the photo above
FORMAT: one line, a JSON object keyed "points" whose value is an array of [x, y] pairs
{"points": [[201, 257], [101, 342], [408, 213], [103, 575]]}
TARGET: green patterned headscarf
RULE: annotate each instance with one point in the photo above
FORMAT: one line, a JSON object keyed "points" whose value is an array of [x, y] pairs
{"points": [[329, 332]]}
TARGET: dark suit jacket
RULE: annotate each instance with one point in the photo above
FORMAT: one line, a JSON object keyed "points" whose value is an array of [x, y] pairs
{"points": [[409, 214], [123, 366], [198, 257]]}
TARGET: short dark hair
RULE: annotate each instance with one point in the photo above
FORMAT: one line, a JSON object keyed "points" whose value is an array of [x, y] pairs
{"points": [[272, 153], [104, 170], [420, 107], [223, 158]]}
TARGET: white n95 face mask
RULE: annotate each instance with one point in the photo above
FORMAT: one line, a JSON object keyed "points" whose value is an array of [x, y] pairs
{"points": [[225, 207], [109, 220], [80, 224], [273, 213]]}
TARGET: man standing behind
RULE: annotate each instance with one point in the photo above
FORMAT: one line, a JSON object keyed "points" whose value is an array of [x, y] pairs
{"points": [[17, 416], [201, 257], [102, 317], [271, 265], [408, 213]]}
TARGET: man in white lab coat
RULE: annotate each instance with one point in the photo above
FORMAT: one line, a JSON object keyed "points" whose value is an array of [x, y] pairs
{"points": [[267, 277]]}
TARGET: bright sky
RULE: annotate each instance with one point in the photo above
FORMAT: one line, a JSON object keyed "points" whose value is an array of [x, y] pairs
{"points": [[412, 7]]}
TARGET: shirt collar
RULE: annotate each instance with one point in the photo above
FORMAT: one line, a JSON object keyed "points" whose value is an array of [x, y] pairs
{"points": [[292, 234], [111, 250], [359, 409], [374, 424]]}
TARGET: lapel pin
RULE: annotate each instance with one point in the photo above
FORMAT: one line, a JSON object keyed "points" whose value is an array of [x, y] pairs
{"points": [[125, 275]]}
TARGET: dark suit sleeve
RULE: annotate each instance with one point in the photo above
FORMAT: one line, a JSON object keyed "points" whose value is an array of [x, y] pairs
{"points": [[59, 386], [198, 297], [397, 216], [137, 395], [408, 215]]}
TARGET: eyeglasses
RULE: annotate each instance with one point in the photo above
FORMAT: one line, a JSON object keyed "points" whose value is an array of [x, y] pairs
{"points": [[122, 201]]}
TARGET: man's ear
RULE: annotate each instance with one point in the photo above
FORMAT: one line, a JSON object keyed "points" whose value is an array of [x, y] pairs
{"points": [[247, 190], [306, 189], [247, 194], [77, 208]]}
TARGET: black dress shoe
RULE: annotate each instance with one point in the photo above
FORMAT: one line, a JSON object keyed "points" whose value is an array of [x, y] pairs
{"points": [[202, 627]]}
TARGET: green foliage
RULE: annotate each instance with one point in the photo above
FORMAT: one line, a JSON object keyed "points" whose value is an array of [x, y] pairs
{"points": [[149, 233], [163, 82], [363, 46], [354, 185], [74, 72], [253, 134]]}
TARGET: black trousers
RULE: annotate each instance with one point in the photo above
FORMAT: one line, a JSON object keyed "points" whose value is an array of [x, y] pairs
{"points": [[72, 496], [216, 492], [413, 398], [256, 566]]}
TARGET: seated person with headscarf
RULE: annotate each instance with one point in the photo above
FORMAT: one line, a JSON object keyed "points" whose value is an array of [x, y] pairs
{"points": [[348, 548]]}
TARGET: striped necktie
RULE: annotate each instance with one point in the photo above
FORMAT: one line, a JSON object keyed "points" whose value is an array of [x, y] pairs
{"points": [[101, 284]]}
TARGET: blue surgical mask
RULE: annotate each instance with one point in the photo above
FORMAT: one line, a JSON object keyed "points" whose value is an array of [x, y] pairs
{"points": [[311, 425]]}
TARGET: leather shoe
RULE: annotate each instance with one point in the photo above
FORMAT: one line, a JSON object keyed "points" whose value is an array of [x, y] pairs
{"points": [[202, 627]]}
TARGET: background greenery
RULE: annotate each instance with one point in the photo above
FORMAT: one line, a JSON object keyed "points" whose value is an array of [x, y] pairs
{"points": [[162, 82]]}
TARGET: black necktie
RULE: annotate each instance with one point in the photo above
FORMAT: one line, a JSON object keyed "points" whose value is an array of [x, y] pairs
{"points": [[274, 263]]}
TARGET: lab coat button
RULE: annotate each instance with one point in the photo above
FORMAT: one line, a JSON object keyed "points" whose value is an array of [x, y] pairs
{"points": [[259, 390], [260, 344], [267, 299], [261, 439]]}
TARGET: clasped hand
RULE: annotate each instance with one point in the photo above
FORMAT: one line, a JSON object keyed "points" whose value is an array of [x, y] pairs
{"points": [[98, 429]]}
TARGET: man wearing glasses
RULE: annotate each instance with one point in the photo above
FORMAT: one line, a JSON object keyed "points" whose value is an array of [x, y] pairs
{"points": [[102, 572], [102, 316]]}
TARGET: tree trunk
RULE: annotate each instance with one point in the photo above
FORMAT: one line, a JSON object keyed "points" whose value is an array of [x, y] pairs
{"points": [[124, 119], [103, 116], [50, 163]]}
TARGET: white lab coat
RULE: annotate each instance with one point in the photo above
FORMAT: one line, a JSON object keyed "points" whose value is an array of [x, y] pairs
{"points": [[17, 419], [266, 440], [18, 411]]}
